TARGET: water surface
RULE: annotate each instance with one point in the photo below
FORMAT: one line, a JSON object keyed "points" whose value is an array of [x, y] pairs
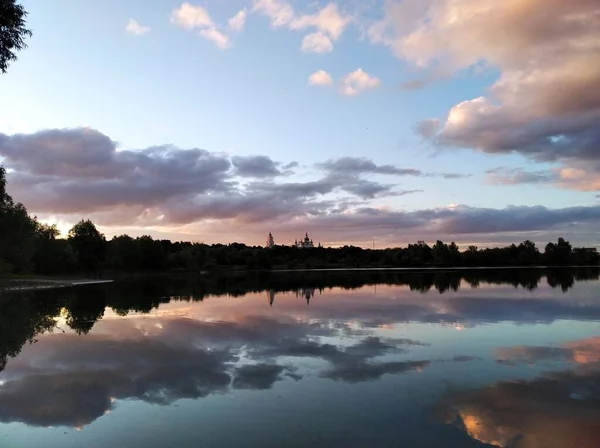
{"points": [[416, 359]]}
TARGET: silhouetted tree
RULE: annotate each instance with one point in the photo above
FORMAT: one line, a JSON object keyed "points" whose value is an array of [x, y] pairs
{"points": [[12, 32], [123, 253], [52, 255], [89, 245], [154, 256], [17, 232]]}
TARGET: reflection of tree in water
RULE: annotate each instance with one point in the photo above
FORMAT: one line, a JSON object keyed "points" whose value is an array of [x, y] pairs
{"points": [[564, 279], [23, 316], [84, 308]]}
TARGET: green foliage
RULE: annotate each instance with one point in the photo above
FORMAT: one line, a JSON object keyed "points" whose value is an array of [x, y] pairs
{"points": [[12, 32]]}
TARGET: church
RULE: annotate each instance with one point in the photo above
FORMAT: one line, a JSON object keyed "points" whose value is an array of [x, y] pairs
{"points": [[304, 243], [270, 241]]}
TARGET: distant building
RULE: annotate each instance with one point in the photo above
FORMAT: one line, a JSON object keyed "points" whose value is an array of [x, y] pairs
{"points": [[304, 243], [270, 241]]}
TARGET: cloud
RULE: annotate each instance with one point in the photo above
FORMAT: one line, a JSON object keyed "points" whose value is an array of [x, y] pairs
{"points": [[318, 42], [140, 186], [427, 128], [357, 82], [545, 103], [280, 12], [134, 28], [237, 22], [220, 39], [329, 23], [455, 175], [320, 78], [515, 176], [328, 20], [361, 165], [192, 17], [189, 17], [75, 173], [255, 166]]}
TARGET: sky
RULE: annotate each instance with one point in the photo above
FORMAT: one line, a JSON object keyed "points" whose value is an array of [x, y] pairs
{"points": [[373, 122]]}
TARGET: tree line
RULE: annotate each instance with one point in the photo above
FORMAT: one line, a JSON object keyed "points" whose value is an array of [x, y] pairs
{"points": [[29, 246]]}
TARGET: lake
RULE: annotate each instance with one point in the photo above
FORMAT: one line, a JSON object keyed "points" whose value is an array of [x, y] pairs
{"points": [[465, 358]]}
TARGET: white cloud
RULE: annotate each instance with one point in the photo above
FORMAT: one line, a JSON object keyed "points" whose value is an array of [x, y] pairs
{"points": [[280, 12], [357, 82], [134, 28], [545, 103], [329, 23], [220, 39], [238, 21], [318, 42], [189, 17], [328, 20], [320, 78]]}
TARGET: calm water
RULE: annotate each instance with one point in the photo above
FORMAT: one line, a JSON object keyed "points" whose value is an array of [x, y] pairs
{"points": [[419, 359]]}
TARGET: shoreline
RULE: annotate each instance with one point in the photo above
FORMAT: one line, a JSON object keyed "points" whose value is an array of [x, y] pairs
{"points": [[31, 284]]}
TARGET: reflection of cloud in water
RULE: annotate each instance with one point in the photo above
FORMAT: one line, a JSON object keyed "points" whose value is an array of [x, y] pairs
{"points": [[70, 380], [580, 352], [352, 364], [556, 410], [259, 376], [463, 309]]}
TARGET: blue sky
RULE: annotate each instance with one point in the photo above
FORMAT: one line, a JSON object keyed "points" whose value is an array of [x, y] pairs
{"points": [[170, 85]]}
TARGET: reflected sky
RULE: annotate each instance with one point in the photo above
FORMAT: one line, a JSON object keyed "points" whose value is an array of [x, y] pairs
{"points": [[378, 365]]}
